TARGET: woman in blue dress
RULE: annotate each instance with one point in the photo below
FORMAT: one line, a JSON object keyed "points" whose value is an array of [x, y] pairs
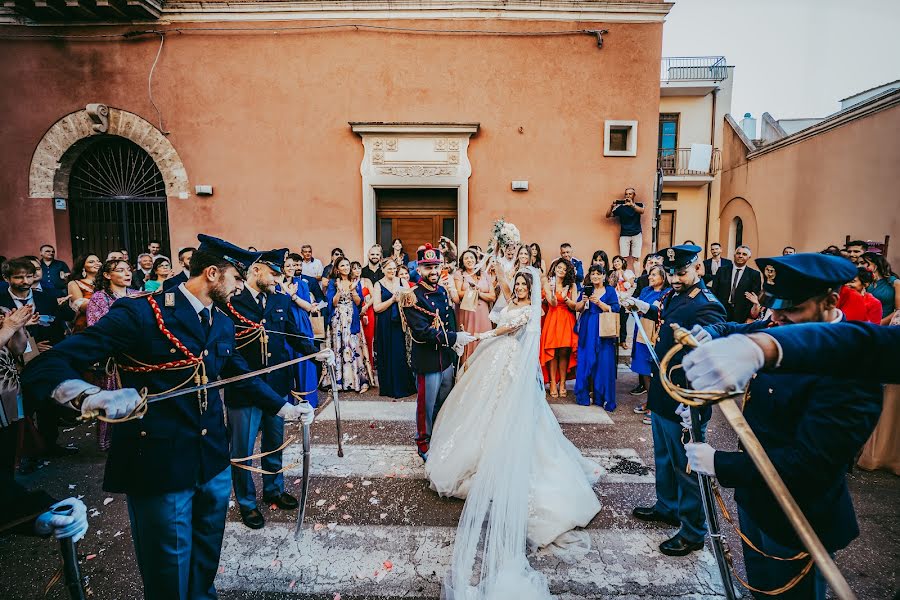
{"points": [[395, 378], [305, 375], [596, 371], [641, 361]]}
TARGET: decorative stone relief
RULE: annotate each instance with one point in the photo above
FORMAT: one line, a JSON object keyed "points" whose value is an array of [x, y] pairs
{"points": [[440, 145], [377, 144], [453, 145], [453, 158], [57, 151], [377, 157], [417, 171], [99, 114], [390, 144]]}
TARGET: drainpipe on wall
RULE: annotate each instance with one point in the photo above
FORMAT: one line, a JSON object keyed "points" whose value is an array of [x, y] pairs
{"points": [[712, 142]]}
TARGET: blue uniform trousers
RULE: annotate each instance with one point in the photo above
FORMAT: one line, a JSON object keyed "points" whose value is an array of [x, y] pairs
{"points": [[431, 391], [677, 492], [244, 424], [178, 537], [767, 574]]}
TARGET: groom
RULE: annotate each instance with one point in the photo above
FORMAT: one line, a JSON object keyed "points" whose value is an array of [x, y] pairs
{"points": [[427, 311]]}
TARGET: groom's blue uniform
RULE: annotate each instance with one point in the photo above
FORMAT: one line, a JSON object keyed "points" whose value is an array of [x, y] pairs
{"points": [[678, 492], [432, 357]]}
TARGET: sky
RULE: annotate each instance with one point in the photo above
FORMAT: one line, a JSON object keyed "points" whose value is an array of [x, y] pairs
{"points": [[792, 58]]}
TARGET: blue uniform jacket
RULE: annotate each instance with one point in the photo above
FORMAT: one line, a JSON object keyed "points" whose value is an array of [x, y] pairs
{"points": [[694, 306], [811, 427], [839, 349], [432, 350], [277, 319], [174, 446]]}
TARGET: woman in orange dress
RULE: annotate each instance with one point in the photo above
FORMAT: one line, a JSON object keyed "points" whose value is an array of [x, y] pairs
{"points": [[81, 288], [559, 341]]}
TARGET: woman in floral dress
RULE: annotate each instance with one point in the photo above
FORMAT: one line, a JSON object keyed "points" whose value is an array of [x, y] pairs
{"points": [[344, 337]]}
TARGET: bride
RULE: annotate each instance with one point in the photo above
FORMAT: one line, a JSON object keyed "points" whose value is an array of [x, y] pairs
{"points": [[497, 444]]}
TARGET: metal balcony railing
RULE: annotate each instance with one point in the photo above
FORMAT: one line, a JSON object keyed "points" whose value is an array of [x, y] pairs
{"points": [[675, 161], [693, 68]]}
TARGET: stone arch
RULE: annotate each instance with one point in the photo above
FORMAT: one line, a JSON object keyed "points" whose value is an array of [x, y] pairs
{"points": [[56, 153], [739, 208]]}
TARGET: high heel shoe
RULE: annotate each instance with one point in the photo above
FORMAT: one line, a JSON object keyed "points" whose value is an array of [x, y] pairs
{"points": [[553, 392], [562, 390]]}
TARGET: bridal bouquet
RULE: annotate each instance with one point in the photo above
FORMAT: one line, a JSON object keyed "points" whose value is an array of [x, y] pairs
{"points": [[503, 234]]}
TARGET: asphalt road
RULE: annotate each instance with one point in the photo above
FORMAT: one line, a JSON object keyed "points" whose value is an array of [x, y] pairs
{"points": [[374, 529]]}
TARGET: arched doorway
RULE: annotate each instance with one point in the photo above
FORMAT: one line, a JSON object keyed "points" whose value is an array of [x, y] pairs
{"points": [[117, 199], [735, 234]]}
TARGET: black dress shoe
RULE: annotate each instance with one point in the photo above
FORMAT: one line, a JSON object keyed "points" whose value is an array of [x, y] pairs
{"points": [[284, 501], [638, 390], [649, 513], [253, 519], [57, 450], [678, 546]]}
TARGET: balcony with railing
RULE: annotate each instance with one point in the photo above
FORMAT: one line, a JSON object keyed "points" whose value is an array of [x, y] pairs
{"points": [[691, 75], [677, 169]]}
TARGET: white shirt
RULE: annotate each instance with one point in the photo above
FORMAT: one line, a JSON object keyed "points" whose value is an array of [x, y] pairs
{"points": [[714, 265], [312, 268], [256, 294], [195, 303], [20, 302]]}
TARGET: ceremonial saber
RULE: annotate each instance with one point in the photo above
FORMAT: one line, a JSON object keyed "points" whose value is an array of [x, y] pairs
{"points": [[71, 571], [304, 488], [337, 408], [720, 549], [750, 442]]}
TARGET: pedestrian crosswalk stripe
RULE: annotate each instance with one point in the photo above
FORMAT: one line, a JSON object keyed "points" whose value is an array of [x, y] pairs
{"points": [[377, 410], [623, 465], [404, 561]]}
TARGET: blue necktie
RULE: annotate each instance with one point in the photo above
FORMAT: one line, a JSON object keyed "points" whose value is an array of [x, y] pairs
{"points": [[204, 321]]}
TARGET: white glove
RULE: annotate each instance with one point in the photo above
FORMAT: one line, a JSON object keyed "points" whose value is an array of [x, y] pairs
{"points": [[303, 411], [115, 404], [724, 364], [701, 458], [637, 303], [684, 412], [326, 356], [73, 525], [464, 338], [700, 334]]}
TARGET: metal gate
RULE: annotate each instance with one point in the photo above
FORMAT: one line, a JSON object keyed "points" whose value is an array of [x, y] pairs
{"points": [[117, 200]]}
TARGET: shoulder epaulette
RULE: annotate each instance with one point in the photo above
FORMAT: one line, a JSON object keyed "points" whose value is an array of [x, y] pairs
{"points": [[693, 293]]}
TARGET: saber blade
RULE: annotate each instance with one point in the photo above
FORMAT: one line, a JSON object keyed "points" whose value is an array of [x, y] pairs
{"points": [[304, 488], [337, 410]]}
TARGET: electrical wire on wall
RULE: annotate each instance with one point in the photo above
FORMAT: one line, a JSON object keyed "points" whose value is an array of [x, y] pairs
{"points": [[162, 41]]}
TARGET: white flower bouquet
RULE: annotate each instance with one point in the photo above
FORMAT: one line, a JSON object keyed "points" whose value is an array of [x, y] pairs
{"points": [[503, 234]]}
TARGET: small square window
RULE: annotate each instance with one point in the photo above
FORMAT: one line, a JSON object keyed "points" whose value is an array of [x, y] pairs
{"points": [[620, 138]]}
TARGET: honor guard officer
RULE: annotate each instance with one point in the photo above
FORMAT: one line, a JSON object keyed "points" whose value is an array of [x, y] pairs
{"points": [[811, 427], [678, 499], [263, 325], [173, 464], [427, 313], [815, 348]]}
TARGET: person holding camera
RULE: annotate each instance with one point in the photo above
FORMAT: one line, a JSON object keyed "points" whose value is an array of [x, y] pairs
{"points": [[629, 214]]}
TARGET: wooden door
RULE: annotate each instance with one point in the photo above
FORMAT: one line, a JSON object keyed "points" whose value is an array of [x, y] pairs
{"points": [[666, 237], [415, 215]]}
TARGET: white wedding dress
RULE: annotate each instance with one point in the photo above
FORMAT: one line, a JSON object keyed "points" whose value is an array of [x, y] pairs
{"points": [[497, 444]]}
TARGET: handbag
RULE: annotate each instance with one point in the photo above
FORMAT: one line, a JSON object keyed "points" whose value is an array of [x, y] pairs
{"points": [[31, 350], [609, 325], [469, 300], [651, 328], [318, 325]]}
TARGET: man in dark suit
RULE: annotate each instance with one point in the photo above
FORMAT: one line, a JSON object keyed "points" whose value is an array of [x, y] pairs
{"points": [[732, 282], [19, 274], [811, 426], [263, 324], [184, 257], [715, 262], [173, 464]]}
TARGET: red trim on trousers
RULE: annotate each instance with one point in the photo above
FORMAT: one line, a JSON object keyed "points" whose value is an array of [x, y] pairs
{"points": [[422, 438]]}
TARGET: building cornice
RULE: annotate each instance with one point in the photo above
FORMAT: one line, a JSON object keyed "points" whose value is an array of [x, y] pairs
{"points": [[190, 11], [860, 111], [384, 127]]}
